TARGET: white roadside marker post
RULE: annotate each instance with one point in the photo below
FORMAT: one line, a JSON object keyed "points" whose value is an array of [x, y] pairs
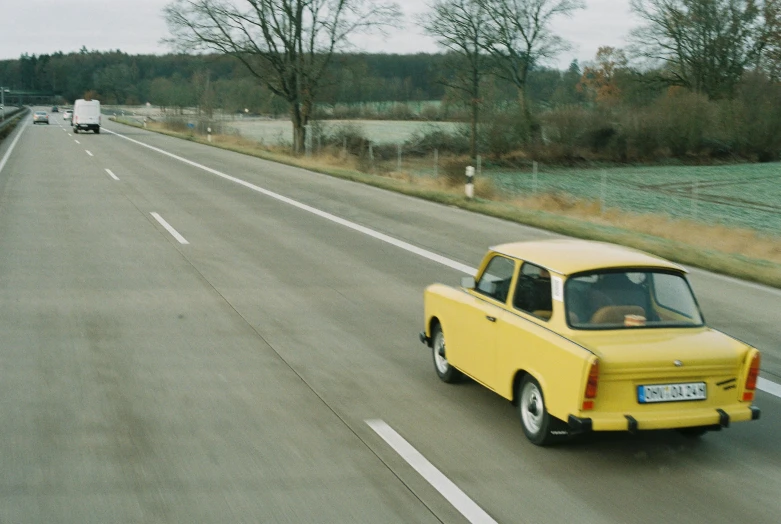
{"points": [[470, 182], [209, 134]]}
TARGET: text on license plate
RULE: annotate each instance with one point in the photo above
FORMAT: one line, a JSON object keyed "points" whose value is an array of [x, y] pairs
{"points": [[671, 392]]}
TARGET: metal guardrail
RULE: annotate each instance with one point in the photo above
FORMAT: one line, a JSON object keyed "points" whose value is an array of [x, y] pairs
{"points": [[10, 116]]}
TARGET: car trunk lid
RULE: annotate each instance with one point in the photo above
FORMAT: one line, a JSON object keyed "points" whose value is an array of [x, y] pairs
{"points": [[658, 353]]}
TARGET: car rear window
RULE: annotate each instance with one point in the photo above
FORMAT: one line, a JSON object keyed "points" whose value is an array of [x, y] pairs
{"points": [[618, 299]]}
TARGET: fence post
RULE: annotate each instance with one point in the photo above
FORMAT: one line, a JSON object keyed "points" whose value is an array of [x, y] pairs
{"points": [[603, 193], [470, 182]]}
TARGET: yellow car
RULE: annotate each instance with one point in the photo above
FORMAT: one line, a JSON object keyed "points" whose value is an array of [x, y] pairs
{"points": [[588, 336]]}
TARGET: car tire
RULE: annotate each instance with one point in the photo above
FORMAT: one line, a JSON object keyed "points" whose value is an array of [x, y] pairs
{"points": [[75, 130], [538, 425], [445, 371], [97, 131]]}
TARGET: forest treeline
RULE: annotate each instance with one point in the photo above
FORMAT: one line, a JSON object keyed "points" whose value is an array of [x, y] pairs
{"points": [[181, 80], [604, 110]]}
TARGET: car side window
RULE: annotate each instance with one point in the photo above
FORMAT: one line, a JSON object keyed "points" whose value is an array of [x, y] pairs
{"points": [[533, 291], [495, 280]]}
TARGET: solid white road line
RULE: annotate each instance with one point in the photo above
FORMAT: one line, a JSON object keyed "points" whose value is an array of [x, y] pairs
{"points": [[466, 506], [112, 175], [90, 154], [13, 145], [769, 387], [764, 385], [168, 228], [328, 216]]}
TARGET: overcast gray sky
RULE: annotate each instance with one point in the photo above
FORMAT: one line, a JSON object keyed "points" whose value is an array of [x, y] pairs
{"points": [[136, 27]]}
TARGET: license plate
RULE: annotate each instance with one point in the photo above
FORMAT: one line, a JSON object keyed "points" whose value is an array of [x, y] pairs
{"points": [[671, 392]]}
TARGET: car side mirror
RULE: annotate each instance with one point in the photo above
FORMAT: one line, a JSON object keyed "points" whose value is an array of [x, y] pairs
{"points": [[468, 282]]}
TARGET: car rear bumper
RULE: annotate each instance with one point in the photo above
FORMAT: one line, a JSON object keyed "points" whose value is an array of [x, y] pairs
{"points": [[633, 422]]}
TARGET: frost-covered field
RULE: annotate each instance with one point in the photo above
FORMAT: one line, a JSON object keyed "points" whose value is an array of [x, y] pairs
{"points": [[744, 195], [378, 131]]}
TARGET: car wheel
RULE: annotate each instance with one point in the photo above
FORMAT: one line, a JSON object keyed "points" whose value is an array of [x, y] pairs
{"points": [[445, 371], [97, 131], [537, 423], [75, 130]]}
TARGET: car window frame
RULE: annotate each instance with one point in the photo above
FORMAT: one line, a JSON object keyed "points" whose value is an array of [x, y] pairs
{"points": [[484, 294], [525, 263]]}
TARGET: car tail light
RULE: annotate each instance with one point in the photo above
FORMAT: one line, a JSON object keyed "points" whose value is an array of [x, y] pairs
{"points": [[591, 386], [751, 378]]}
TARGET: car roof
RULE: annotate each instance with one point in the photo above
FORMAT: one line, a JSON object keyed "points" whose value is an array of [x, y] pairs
{"points": [[569, 256]]}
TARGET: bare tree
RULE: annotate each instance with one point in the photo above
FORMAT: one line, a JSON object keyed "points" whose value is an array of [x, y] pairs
{"points": [[521, 37], [460, 27], [769, 48], [286, 44], [705, 45]]}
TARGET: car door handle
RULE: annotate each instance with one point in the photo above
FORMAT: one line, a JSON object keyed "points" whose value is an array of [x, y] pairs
{"points": [[490, 319]]}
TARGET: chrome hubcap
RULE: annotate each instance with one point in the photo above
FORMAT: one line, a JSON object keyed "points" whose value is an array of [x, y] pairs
{"points": [[439, 354], [532, 408]]}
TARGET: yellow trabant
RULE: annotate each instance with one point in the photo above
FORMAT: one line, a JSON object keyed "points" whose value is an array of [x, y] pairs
{"points": [[588, 336]]}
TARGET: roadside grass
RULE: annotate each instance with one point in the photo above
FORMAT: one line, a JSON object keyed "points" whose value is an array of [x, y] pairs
{"points": [[11, 124], [741, 253]]}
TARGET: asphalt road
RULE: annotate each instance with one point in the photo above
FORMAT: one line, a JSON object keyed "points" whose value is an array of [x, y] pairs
{"points": [[182, 347]]}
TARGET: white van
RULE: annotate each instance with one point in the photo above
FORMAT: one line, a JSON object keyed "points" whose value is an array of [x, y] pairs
{"points": [[86, 115]]}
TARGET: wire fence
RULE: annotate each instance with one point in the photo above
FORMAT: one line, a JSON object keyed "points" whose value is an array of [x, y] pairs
{"points": [[743, 195]]}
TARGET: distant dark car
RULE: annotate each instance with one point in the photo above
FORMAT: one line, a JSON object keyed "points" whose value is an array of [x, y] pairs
{"points": [[55, 109], [41, 116]]}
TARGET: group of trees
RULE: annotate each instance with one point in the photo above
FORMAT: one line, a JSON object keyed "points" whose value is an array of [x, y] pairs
{"points": [[289, 56]]}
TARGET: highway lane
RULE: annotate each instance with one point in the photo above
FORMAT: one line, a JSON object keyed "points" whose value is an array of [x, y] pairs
{"points": [[132, 391], [264, 284], [746, 311]]}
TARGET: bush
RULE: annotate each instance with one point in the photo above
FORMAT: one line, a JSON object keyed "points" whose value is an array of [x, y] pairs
{"points": [[642, 134], [349, 136], [685, 119], [565, 127], [752, 122], [424, 142], [502, 133]]}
